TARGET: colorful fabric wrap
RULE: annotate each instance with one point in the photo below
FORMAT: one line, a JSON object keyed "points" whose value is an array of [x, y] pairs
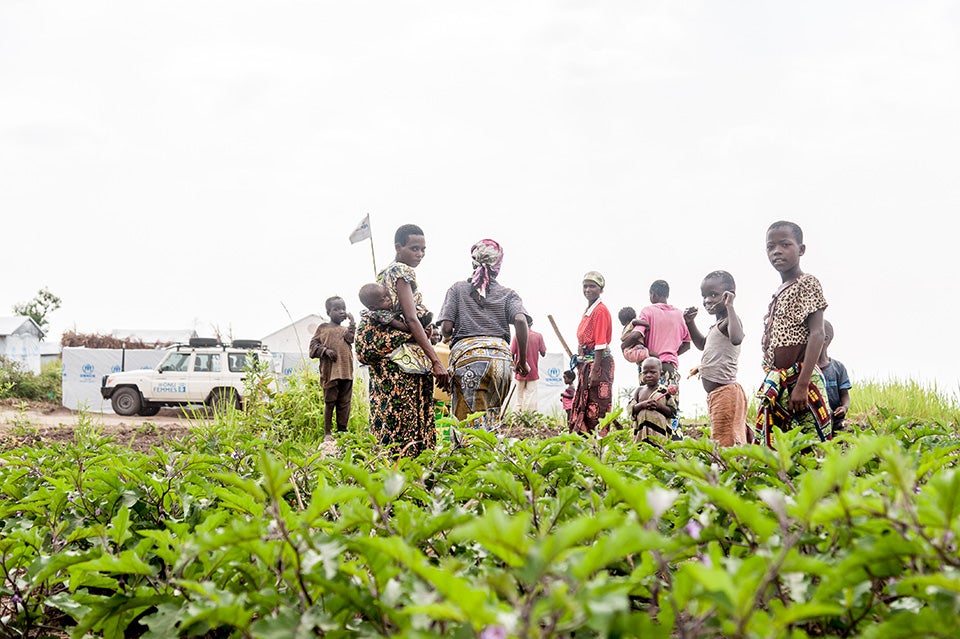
{"points": [[774, 396], [587, 355], [411, 359], [481, 370], [487, 257]]}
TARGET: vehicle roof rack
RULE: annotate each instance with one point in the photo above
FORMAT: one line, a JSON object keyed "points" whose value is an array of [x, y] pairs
{"points": [[204, 341], [246, 343]]}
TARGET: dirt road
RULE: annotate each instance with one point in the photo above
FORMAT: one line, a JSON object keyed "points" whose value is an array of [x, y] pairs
{"points": [[24, 423]]}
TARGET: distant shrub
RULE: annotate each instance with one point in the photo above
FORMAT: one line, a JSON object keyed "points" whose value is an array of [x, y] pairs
{"points": [[97, 340], [18, 383]]}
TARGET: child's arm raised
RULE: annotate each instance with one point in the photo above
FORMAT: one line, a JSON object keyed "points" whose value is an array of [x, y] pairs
{"points": [[350, 334], [733, 325]]}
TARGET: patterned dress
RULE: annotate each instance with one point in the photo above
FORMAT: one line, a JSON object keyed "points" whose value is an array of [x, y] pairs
{"points": [[649, 423], [401, 403], [590, 405]]}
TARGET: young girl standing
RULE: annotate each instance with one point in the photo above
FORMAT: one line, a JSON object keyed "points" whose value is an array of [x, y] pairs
{"points": [[726, 399], [793, 393]]}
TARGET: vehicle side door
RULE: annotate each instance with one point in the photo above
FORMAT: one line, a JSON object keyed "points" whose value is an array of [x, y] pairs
{"points": [[169, 384], [205, 375], [238, 366]]}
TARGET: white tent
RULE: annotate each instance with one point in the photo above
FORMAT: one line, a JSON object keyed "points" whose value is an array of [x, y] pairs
{"points": [[20, 342], [294, 338]]}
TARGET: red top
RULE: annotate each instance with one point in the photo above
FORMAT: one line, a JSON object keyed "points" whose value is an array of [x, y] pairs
{"points": [[535, 350], [596, 327]]}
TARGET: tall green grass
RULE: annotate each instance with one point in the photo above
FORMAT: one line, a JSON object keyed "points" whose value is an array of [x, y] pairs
{"points": [[905, 399]]}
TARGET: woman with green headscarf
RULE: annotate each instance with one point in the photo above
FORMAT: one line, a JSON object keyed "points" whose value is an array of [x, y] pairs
{"points": [[594, 361]]}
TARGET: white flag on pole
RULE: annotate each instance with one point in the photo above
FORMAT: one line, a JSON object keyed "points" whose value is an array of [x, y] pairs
{"points": [[362, 231]]}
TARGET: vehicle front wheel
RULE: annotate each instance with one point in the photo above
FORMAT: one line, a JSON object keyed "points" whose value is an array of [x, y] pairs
{"points": [[148, 411], [126, 401], [223, 398]]}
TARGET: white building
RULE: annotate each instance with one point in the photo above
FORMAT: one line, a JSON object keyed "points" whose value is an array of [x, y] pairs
{"points": [[294, 338], [20, 342]]}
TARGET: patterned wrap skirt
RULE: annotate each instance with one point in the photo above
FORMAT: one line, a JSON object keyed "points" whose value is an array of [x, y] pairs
{"points": [[481, 370], [590, 405], [401, 403], [774, 411]]}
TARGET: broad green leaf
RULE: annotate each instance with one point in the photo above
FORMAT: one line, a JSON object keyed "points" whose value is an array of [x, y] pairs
{"points": [[506, 536], [119, 528], [748, 513]]}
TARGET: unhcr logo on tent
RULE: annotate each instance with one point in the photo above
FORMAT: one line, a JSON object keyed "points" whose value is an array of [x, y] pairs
{"points": [[554, 376], [87, 373]]}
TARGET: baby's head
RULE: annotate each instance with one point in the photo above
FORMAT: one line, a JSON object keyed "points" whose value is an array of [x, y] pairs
{"points": [[569, 377], [626, 314], [375, 297]]}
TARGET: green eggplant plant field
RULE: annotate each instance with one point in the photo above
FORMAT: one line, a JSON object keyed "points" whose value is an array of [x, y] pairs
{"points": [[250, 527]]}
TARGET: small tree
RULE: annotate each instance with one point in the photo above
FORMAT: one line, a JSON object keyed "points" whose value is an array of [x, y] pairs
{"points": [[39, 307]]}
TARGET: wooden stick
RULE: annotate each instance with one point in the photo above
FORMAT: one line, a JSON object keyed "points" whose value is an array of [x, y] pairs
{"points": [[563, 342], [506, 403]]}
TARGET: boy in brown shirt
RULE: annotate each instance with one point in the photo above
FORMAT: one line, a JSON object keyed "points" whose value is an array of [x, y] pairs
{"points": [[332, 344]]}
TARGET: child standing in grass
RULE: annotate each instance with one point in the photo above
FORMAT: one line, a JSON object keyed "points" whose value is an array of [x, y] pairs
{"points": [[566, 397], [726, 400], [653, 405], [836, 379], [332, 344], [793, 393]]}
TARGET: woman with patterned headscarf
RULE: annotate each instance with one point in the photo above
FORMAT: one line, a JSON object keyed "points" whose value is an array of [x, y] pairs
{"points": [[594, 396], [476, 316]]}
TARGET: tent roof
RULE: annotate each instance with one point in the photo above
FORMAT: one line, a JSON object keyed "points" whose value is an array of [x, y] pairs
{"points": [[303, 321], [19, 324]]}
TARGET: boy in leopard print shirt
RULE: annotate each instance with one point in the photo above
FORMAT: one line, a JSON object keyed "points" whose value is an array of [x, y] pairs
{"points": [[793, 393]]}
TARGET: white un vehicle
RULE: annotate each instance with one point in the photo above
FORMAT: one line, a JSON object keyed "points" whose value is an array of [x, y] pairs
{"points": [[201, 372]]}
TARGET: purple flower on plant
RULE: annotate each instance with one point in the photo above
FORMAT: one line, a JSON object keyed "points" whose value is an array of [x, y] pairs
{"points": [[493, 632], [693, 529]]}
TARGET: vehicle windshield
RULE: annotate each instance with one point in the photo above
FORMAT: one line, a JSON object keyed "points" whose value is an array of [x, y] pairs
{"points": [[176, 362]]}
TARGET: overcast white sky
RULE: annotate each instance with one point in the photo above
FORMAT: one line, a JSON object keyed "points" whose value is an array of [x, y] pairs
{"points": [[170, 165]]}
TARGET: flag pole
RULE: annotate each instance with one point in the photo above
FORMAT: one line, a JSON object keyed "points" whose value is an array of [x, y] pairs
{"points": [[372, 254]]}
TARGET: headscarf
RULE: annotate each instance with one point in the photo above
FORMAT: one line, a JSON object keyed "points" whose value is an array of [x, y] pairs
{"points": [[594, 276], [487, 257]]}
